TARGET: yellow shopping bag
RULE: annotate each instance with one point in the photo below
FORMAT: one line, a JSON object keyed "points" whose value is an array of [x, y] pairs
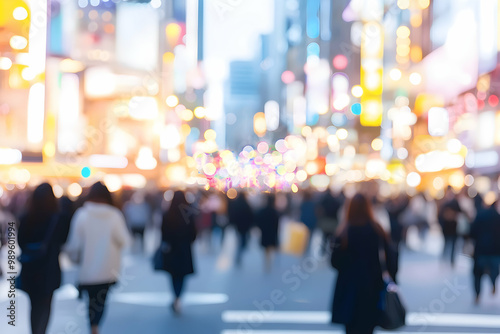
{"points": [[296, 239]]}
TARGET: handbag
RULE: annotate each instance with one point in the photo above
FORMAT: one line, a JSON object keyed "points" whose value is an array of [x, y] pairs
{"points": [[161, 256], [392, 309], [35, 251]]}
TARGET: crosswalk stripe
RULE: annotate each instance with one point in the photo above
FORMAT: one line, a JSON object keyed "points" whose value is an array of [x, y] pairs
{"points": [[323, 317]]}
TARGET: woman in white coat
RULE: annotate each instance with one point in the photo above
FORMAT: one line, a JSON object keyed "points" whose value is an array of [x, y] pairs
{"points": [[97, 236]]}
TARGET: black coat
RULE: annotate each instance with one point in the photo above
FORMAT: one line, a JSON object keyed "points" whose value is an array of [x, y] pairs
{"points": [[179, 236], [359, 281], [240, 214], [268, 221], [485, 231], [449, 224], [43, 276]]}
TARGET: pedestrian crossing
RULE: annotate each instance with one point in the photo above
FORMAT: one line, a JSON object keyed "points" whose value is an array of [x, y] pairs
{"points": [[415, 321]]}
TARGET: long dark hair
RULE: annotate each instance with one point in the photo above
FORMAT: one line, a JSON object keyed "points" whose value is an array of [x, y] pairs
{"points": [[179, 211], [359, 213], [42, 204], [99, 193]]}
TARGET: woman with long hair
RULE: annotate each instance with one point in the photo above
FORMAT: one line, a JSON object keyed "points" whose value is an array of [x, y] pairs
{"points": [[178, 234], [42, 231], [98, 235], [360, 276]]}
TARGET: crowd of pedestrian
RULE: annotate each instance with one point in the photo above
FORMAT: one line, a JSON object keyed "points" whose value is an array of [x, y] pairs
{"points": [[95, 228]]}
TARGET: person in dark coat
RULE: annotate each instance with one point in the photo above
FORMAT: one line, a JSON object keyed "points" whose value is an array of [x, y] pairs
{"points": [[241, 216], [485, 231], [268, 221], [41, 274], [179, 233], [447, 218], [395, 208], [360, 276], [328, 209]]}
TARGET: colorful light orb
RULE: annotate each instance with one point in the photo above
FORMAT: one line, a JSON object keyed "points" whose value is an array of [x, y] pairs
{"points": [[340, 62], [86, 172], [356, 108], [287, 77]]}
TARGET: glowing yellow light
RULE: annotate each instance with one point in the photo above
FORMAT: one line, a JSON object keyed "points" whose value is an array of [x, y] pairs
{"points": [[185, 129], [457, 180], [74, 190], [200, 112], [231, 193], [438, 183], [49, 149], [403, 32], [357, 91], [490, 197], [416, 53], [342, 134], [423, 4], [71, 66], [187, 115], [306, 131], [209, 169], [301, 175], [404, 4], [259, 124], [415, 78], [395, 74], [416, 20], [210, 134], [168, 57], [173, 31], [58, 191], [331, 169], [403, 50], [172, 101], [377, 144], [295, 188]]}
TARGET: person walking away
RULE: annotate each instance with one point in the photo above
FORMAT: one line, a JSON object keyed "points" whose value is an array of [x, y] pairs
{"points": [[43, 230], [447, 217], [268, 221], [328, 210], [240, 214], [360, 278], [308, 214], [138, 214], [97, 237], [485, 231], [179, 233]]}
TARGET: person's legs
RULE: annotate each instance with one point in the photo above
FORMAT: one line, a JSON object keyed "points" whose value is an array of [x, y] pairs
{"points": [[97, 302], [241, 247], [177, 285], [453, 241], [40, 313], [478, 274]]}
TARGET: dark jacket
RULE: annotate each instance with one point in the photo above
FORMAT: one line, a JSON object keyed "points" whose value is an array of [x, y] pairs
{"points": [[240, 214], [485, 231], [308, 214], [268, 221], [447, 217], [359, 280], [43, 276], [179, 236]]}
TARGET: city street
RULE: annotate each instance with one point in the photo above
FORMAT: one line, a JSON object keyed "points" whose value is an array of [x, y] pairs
{"points": [[294, 298]]}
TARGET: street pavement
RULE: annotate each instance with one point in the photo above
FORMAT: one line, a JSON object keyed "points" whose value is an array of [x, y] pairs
{"points": [[294, 298]]}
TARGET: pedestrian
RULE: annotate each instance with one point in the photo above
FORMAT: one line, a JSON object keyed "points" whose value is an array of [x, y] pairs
{"points": [[97, 237], [360, 280], [43, 230], [447, 216], [268, 221], [485, 231], [178, 233], [138, 214], [308, 214], [241, 216], [328, 210]]}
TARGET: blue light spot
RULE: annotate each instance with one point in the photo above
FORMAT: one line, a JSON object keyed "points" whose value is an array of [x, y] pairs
{"points": [[86, 172], [339, 119], [313, 50], [356, 109]]}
